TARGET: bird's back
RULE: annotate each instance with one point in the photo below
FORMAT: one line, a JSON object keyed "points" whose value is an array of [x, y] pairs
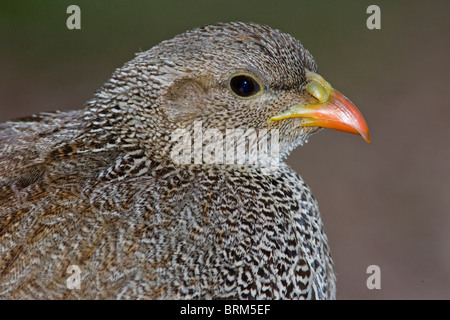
{"points": [[41, 186]]}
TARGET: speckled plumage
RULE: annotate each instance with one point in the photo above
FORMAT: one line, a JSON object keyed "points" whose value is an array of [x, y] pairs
{"points": [[97, 188]]}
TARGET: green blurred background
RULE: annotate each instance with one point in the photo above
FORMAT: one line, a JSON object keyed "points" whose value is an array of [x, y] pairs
{"points": [[387, 203]]}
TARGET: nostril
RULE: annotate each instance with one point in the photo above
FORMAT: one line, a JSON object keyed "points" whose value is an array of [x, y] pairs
{"points": [[316, 89]]}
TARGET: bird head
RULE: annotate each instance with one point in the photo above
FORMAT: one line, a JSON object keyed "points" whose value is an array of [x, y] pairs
{"points": [[225, 76]]}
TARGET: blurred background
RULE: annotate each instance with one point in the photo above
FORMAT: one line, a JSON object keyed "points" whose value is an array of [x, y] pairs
{"points": [[386, 203]]}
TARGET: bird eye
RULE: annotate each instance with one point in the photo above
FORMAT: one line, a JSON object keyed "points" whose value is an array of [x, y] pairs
{"points": [[244, 86]]}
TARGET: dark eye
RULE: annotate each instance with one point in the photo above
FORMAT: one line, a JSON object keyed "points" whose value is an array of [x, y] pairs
{"points": [[244, 86]]}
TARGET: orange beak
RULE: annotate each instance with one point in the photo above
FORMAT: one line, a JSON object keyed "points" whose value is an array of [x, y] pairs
{"points": [[333, 111]]}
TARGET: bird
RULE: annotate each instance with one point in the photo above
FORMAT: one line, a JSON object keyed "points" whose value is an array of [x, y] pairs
{"points": [[105, 202]]}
